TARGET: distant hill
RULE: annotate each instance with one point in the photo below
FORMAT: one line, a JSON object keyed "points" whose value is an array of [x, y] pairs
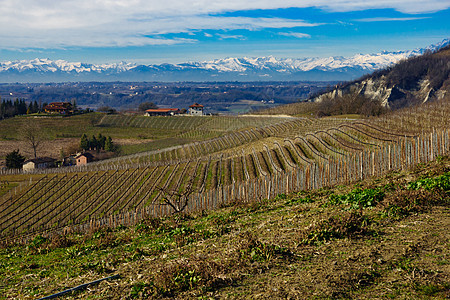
{"points": [[415, 80], [228, 69]]}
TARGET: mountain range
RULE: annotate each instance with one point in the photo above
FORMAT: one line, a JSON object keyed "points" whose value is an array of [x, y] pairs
{"points": [[229, 69]]}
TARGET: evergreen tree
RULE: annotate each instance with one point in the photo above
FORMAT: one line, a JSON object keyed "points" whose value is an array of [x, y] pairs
{"points": [[35, 107], [10, 111], [14, 160], [2, 108], [30, 108], [74, 104], [93, 143], [16, 106], [101, 141], [84, 143], [109, 146], [22, 107]]}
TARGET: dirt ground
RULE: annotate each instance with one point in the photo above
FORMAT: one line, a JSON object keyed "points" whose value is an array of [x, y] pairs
{"points": [[47, 148]]}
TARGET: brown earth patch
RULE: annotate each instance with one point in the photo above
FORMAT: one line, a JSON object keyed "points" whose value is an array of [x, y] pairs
{"points": [[48, 148]]}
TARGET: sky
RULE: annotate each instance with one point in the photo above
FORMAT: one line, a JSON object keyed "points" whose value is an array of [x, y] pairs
{"points": [[176, 31]]}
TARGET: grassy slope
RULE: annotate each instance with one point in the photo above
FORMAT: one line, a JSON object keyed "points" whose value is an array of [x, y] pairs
{"points": [[380, 238], [74, 126]]}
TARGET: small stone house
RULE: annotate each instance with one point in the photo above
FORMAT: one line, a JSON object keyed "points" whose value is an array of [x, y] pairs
{"points": [[39, 163], [84, 158], [196, 109]]}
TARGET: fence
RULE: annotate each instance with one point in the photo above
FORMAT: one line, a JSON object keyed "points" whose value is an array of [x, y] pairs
{"points": [[399, 155]]}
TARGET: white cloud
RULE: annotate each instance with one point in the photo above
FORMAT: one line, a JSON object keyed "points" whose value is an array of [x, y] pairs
{"points": [[63, 23], [381, 19], [295, 34], [404, 6], [137, 32], [233, 37]]}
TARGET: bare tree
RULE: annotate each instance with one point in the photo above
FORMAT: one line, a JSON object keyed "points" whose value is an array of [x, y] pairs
{"points": [[176, 199], [31, 133]]}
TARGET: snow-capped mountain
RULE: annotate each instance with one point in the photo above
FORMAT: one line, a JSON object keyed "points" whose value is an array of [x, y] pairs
{"points": [[47, 65], [242, 69]]}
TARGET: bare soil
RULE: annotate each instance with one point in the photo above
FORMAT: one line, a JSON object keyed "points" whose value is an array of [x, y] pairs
{"points": [[47, 148]]}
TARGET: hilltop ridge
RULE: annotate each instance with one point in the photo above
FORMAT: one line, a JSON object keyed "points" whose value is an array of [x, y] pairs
{"points": [[413, 81]]}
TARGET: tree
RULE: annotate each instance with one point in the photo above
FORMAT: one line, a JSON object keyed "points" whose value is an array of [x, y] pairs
{"points": [[14, 160], [32, 134], [147, 105], [84, 142], [74, 104], [101, 141], [93, 143], [176, 199], [107, 109], [109, 146], [35, 107]]}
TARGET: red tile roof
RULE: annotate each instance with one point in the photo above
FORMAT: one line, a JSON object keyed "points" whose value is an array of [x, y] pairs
{"points": [[86, 154], [162, 110], [196, 105], [55, 107], [58, 106]]}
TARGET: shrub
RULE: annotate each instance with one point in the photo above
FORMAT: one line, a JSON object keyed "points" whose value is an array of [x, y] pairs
{"points": [[178, 277], [359, 198], [441, 182], [148, 225], [300, 200], [348, 224], [253, 250], [37, 242], [14, 160]]}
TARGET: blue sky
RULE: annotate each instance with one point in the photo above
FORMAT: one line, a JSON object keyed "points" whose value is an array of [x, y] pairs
{"points": [[175, 31]]}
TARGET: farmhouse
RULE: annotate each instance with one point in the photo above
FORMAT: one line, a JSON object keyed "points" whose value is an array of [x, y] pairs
{"points": [[196, 109], [39, 163], [162, 112], [58, 108], [84, 158]]}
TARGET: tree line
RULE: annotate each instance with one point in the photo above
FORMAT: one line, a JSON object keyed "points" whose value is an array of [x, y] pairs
{"points": [[98, 143], [9, 108]]}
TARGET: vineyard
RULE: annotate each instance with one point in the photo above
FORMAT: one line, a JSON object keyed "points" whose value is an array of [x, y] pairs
{"points": [[246, 158]]}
